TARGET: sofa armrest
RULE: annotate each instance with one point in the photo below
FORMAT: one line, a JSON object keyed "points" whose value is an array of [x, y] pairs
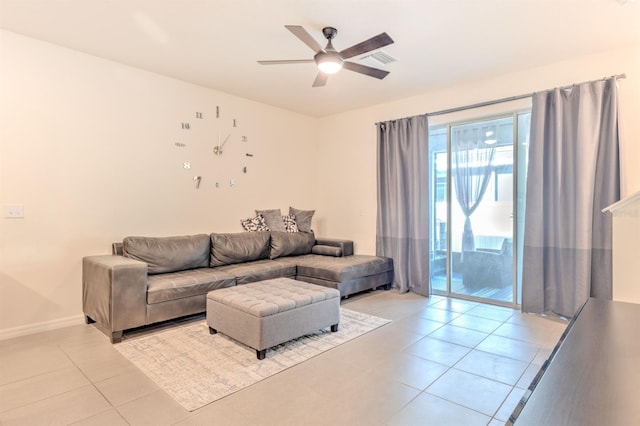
{"points": [[114, 292], [345, 245]]}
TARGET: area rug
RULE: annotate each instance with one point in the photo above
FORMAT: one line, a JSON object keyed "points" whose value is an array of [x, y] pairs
{"points": [[197, 368]]}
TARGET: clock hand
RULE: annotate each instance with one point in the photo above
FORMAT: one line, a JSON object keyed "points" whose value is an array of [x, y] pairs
{"points": [[224, 142]]}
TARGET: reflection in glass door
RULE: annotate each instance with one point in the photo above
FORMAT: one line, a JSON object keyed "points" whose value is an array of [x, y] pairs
{"points": [[473, 216]]}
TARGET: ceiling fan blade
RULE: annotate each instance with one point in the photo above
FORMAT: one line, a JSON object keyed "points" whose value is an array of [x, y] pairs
{"points": [[373, 43], [321, 80], [286, 61], [363, 69], [305, 37]]}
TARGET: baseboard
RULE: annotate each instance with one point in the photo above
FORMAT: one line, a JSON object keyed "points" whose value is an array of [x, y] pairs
{"points": [[39, 327]]}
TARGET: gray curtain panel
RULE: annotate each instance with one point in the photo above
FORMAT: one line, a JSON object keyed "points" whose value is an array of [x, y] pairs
{"points": [[402, 231], [573, 174]]}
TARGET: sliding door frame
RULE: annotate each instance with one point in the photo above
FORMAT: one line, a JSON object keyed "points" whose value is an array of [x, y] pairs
{"points": [[514, 114]]}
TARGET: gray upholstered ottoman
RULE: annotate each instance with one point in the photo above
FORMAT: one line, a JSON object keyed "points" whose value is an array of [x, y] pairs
{"points": [[267, 313]]}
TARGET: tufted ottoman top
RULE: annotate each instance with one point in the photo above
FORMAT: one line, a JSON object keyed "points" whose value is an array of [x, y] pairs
{"points": [[264, 298]]}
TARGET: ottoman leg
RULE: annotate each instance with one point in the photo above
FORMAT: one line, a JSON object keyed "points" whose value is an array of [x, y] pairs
{"points": [[212, 330], [334, 328], [261, 354]]}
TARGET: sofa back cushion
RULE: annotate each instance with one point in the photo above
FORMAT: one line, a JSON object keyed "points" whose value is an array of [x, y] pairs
{"points": [[227, 249], [169, 254], [291, 243]]}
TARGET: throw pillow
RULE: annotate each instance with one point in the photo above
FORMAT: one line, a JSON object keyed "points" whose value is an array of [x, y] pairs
{"points": [[254, 224], [290, 223], [303, 218], [273, 218], [291, 243]]}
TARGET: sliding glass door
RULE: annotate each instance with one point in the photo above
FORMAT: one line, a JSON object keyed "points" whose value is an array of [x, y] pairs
{"points": [[474, 219]]}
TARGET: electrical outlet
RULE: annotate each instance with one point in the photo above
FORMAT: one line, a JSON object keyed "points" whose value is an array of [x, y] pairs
{"points": [[14, 211]]}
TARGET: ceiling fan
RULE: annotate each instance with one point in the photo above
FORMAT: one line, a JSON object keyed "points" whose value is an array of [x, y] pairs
{"points": [[329, 60]]}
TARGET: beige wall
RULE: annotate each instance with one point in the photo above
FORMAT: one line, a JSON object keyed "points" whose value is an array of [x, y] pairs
{"points": [[88, 147]]}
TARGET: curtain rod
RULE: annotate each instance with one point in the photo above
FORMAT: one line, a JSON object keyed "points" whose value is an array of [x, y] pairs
{"points": [[509, 99]]}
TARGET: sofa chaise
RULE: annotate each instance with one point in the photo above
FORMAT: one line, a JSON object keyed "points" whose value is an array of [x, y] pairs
{"points": [[147, 280]]}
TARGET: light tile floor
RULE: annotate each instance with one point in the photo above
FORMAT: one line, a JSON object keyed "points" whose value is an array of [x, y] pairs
{"points": [[440, 362]]}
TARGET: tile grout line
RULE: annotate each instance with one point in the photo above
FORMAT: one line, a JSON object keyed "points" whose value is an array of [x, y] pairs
{"points": [[93, 384], [512, 387]]}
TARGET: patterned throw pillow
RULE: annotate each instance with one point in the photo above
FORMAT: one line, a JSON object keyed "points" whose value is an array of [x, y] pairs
{"points": [[254, 224], [290, 224]]}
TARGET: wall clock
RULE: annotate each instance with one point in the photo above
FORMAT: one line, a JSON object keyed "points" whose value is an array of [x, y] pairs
{"points": [[213, 150]]}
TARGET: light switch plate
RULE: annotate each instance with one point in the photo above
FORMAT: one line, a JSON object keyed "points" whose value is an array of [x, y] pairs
{"points": [[14, 211]]}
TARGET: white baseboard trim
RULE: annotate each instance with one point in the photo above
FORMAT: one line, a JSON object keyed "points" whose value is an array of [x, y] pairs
{"points": [[39, 327]]}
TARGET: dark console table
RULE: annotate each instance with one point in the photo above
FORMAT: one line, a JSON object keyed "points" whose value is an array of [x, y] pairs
{"points": [[593, 375]]}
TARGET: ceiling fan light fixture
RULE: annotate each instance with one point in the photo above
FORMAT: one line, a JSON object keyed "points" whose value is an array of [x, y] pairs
{"points": [[329, 62], [329, 67]]}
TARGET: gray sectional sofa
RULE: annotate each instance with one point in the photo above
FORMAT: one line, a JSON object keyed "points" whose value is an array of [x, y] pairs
{"points": [[148, 280]]}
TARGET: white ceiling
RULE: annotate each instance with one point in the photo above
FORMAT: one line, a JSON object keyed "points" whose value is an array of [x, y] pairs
{"points": [[216, 43]]}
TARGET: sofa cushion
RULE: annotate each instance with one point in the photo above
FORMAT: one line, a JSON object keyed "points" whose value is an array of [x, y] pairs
{"points": [[273, 218], [239, 247], [291, 244], [342, 268], [177, 285], [169, 254], [303, 218], [260, 270]]}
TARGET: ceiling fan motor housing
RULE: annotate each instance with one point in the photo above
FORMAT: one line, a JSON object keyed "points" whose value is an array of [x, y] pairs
{"points": [[328, 57]]}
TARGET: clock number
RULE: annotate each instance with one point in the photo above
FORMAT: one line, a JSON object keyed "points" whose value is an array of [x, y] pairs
{"points": [[185, 126], [199, 115], [232, 183], [245, 139], [244, 170], [196, 180], [186, 165]]}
